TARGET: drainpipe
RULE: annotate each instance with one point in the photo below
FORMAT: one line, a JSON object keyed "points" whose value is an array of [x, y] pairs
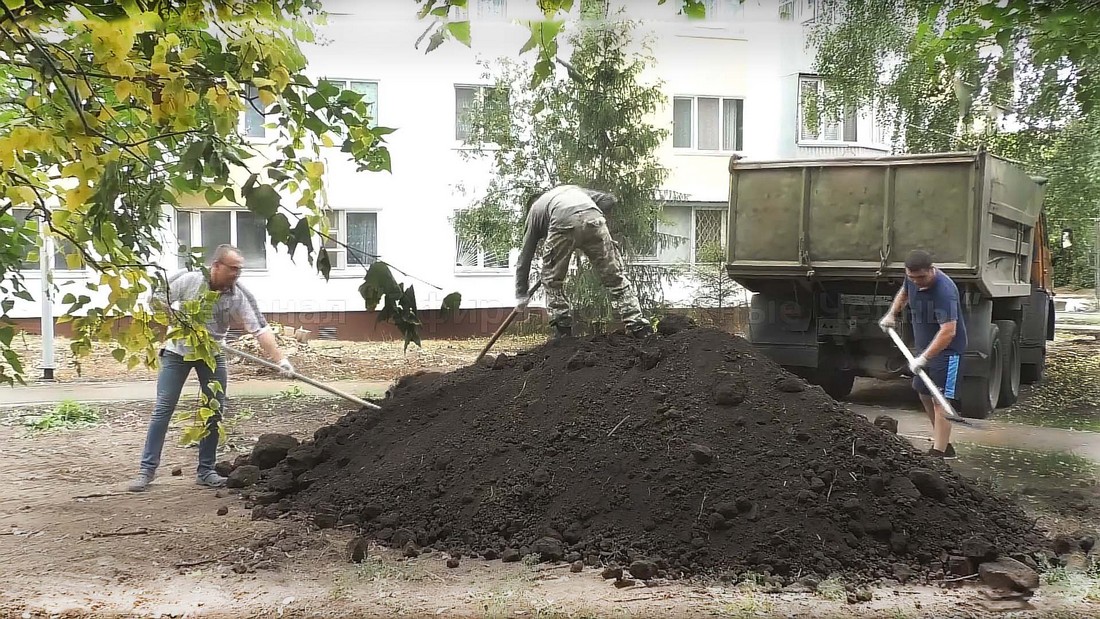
{"points": [[45, 262]]}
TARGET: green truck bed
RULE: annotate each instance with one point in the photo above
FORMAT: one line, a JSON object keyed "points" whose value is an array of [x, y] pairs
{"points": [[857, 218]]}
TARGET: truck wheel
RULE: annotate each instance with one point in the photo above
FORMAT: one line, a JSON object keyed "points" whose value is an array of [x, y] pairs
{"points": [[1031, 373], [837, 384], [980, 393], [1010, 348]]}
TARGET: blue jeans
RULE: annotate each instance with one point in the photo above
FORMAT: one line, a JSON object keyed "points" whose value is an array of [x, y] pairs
{"points": [[173, 373]]}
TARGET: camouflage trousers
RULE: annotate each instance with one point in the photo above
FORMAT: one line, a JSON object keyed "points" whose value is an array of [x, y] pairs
{"points": [[587, 232]]}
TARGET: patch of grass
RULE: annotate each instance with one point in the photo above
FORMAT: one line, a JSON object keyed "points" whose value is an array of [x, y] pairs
{"points": [[1069, 396], [1007, 468], [65, 415], [749, 604], [292, 392], [832, 589]]}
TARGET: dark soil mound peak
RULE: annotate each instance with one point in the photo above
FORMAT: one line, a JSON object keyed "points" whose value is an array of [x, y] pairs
{"points": [[686, 450]]}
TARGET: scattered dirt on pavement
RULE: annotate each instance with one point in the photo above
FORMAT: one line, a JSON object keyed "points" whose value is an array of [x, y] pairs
{"points": [[686, 450], [1069, 395]]}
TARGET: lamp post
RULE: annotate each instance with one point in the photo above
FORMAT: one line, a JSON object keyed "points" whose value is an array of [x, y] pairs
{"points": [[45, 262]]}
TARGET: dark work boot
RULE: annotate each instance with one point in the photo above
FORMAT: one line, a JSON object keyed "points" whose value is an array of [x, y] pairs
{"points": [[561, 331], [641, 330]]}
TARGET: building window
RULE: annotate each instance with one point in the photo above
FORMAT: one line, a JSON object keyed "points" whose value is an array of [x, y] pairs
{"points": [[471, 256], [709, 235], [708, 123], [62, 246], [724, 10], [482, 9], [467, 99], [367, 88], [353, 239], [814, 124], [207, 229], [252, 125]]}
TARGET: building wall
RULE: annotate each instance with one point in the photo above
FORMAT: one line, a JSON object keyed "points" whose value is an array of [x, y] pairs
{"points": [[746, 53]]}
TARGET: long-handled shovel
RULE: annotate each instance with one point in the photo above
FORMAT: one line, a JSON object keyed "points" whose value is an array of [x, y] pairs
{"points": [[949, 411], [305, 379], [504, 325]]}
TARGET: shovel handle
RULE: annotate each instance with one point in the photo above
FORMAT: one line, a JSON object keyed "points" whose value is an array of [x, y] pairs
{"points": [[951, 415], [305, 379], [500, 330]]}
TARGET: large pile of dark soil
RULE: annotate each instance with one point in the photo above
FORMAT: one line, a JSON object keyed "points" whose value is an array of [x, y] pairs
{"points": [[687, 450]]}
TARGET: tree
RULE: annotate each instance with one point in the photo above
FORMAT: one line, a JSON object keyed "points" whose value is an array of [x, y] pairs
{"points": [[110, 111], [1017, 77], [587, 126], [544, 33], [716, 291]]}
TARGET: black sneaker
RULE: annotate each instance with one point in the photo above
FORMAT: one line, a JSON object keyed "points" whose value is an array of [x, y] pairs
{"points": [[949, 453], [561, 331], [642, 331], [935, 453]]}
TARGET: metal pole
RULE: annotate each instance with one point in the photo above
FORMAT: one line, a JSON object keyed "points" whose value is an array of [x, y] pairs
{"points": [[45, 263]]}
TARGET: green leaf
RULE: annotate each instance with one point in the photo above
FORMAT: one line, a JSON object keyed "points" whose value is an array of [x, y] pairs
{"points": [[279, 228], [451, 303], [23, 294], [324, 265], [461, 31], [695, 9], [436, 40], [377, 283], [300, 235], [263, 200], [119, 354]]}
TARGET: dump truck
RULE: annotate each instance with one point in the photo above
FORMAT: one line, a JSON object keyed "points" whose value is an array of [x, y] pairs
{"points": [[821, 246]]}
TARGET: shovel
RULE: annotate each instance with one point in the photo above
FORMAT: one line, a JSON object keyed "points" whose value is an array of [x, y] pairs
{"points": [[949, 411], [309, 381], [504, 325]]}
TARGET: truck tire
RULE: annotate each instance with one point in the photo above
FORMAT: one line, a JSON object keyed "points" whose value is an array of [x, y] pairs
{"points": [[1010, 349], [1031, 373], [979, 392]]}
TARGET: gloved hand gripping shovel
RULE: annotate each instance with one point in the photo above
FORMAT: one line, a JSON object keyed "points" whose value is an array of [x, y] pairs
{"points": [[949, 410], [504, 325], [309, 381]]}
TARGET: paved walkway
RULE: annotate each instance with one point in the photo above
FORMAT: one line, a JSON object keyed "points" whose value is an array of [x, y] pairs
{"points": [[46, 393], [914, 425]]}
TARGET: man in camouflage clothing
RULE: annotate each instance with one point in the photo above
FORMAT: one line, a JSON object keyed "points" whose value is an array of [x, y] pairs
{"points": [[571, 217]]}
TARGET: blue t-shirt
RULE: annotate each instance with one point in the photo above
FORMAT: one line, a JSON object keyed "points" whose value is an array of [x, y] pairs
{"points": [[930, 308]]}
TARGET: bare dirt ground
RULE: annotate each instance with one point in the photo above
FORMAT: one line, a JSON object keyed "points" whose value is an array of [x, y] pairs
{"points": [[323, 360], [74, 544]]}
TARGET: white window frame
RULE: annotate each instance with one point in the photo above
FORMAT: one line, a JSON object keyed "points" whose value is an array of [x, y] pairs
{"points": [[724, 10], [481, 258], [723, 224], [36, 269], [694, 148], [195, 216], [480, 90], [338, 256], [483, 9], [841, 124], [345, 84], [242, 124]]}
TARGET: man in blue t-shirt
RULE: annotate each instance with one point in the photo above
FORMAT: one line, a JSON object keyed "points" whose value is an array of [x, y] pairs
{"points": [[939, 332]]}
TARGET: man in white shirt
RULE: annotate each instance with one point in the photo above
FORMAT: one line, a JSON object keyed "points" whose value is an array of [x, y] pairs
{"points": [[235, 306]]}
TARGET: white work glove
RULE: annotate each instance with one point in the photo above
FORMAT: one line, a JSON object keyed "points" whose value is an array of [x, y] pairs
{"points": [[287, 369], [521, 303], [888, 322], [918, 364]]}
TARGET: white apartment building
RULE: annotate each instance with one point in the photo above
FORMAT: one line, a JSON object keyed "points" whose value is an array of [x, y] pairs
{"points": [[733, 82]]}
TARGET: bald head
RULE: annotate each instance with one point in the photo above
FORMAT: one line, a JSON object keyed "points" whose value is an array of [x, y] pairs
{"points": [[225, 267]]}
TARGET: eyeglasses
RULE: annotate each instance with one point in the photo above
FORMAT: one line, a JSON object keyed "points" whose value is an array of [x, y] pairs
{"points": [[235, 269]]}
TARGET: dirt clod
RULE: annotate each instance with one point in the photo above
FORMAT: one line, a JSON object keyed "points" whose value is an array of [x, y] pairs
{"points": [[357, 549], [177, 471], [643, 570], [589, 453], [223, 510], [887, 423], [243, 477], [452, 563], [576, 566], [270, 449], [612, 572]]}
